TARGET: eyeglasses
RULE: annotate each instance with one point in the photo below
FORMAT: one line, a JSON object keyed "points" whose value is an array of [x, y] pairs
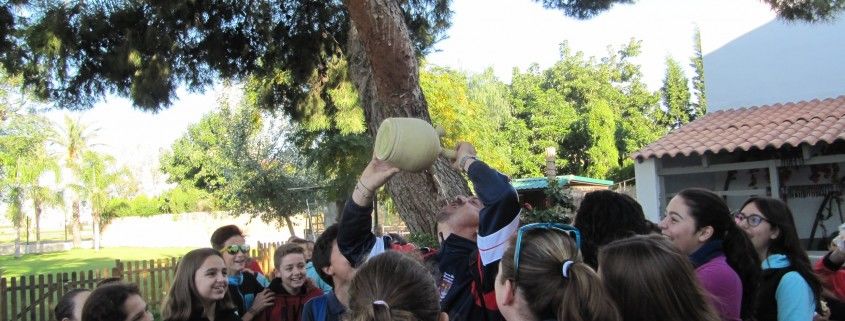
{"points": [[567, 229], [234, 248], [753, 219]]}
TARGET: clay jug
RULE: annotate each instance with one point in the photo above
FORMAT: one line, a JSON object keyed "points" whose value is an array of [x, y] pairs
{"points": [[411, 144]]}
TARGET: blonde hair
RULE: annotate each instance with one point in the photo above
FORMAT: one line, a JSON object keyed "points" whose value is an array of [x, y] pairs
{"points": [[182, 300], [577, 296], [393, 287]]}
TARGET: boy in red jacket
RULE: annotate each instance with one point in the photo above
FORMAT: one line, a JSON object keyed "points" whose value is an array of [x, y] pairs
{"points": [[291, 286]]}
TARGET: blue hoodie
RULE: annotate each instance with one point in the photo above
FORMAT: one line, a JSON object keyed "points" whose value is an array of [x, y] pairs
{"points": [[795, 298]]}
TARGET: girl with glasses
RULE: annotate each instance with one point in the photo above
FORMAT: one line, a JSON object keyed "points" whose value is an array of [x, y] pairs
{"points": [[788, 289], [542, 277], [700, 225], [650, 280]]}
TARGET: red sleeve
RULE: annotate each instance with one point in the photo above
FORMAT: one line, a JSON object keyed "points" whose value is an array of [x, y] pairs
{"points": [[252, 264], [833, 280]]}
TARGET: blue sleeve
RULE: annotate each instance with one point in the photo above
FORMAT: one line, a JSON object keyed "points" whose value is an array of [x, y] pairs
{"points": [[355, 238], [262, 280], [307, 314], [499, 218], [795, 298], [311, 271]]}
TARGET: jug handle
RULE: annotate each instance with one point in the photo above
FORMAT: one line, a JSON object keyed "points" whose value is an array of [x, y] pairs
{"points": [[446, 152]]}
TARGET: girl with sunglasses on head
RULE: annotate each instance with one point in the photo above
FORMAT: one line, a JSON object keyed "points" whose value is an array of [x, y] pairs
{"points": [[247, 288], [650, 280], [700, 225], [788, 289], [542, 277]]}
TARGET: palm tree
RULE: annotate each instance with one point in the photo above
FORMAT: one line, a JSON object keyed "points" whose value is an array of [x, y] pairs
{"points": [[74, 138], [97, 180], [24, 160]]}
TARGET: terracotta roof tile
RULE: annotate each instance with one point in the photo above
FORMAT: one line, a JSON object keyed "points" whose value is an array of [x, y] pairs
{"points": [[760, 127]]}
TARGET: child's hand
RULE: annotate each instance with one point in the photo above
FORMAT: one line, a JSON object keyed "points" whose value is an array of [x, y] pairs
{"points": [[262, 301]]}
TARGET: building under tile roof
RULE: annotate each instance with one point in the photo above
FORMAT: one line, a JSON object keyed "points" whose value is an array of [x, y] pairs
{"points": [[743, 129]]}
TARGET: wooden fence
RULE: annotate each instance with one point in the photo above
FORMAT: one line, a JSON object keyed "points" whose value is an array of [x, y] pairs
{"points": [[33, 297]]}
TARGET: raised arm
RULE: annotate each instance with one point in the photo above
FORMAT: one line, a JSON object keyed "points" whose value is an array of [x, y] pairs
{"points": [[355, 238]]}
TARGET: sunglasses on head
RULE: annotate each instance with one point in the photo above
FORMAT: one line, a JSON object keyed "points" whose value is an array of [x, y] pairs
{"points": [[235, 248], [752, 219], [569, 230]]}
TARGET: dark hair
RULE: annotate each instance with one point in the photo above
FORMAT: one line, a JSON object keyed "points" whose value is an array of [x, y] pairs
{"points": [[779, 215], [322, 255], [298, 240], [285, 249], [64, 309], [398, 239], [605, 216], [109, 280], [106, 302], [708, 209], [549, 294], [182, 300], [404, 286], [223, 233], [650, 280]]}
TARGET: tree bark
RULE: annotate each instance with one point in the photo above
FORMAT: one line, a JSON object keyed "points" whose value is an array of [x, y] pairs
{"points": [[96, 217], [75, 226], [289, 223], [384, 68], [18, 241], [38, 211]]}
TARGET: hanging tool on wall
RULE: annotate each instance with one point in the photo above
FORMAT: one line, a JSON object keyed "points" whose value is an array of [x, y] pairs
{"points": [[824, 213]]}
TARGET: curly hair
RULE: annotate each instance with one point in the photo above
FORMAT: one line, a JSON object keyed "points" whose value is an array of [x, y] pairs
{"points": [[605, 216]]}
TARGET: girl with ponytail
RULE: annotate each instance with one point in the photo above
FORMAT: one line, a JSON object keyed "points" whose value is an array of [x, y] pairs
{"points": [[542, 277], [394, 287], [700, 225]]}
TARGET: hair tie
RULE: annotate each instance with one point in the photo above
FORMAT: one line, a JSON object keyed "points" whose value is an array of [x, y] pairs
{"points": [[381, 311], [565, 269], [380, 302]]}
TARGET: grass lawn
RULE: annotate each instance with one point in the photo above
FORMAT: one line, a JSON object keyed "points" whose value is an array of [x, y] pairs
{"points": [[81, 259]]}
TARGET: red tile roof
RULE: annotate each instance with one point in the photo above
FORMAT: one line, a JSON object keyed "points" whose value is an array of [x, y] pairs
{"points": [[743, 129]]}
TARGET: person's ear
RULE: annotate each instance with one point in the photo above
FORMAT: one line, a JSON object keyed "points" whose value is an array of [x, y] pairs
{"points": [[705, 233], [328, 270], [775, 233], [443, 317], [510, 292]]}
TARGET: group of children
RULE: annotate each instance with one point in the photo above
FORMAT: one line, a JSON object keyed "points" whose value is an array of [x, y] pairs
{"points": [[700, 263]]}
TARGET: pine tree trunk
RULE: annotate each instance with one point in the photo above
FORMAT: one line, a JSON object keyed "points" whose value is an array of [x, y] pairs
{"points": [[75, 225], [384, 68]]}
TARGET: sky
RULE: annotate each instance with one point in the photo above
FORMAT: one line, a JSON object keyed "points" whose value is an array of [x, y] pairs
{"points": [[501, 34]]}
